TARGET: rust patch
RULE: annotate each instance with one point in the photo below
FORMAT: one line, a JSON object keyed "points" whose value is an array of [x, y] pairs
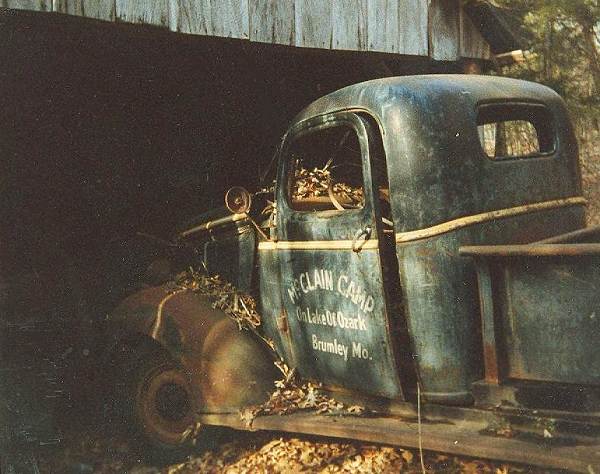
{"points": [[491, 363]]}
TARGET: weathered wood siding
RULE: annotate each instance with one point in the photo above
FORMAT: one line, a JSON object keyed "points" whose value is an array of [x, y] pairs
{"points": [[436, 28], [37, 5], [444, 30], [98, 9], [398, 26], [229, 18], [349, 24], [191, 16], [413, 27], [148, 12], [272, 21], [313, 23], [472, 44]]}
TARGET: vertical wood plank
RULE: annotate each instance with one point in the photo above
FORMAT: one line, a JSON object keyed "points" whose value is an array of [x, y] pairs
{"points": [[72, 7], [313, 23], [412, 27], [100, 9], [35, 5], [444, 35], [229, 18], [173, 11], [472, 43], [151, 12], [382, 25], [191, 16], [349, 24], [272, 21]]}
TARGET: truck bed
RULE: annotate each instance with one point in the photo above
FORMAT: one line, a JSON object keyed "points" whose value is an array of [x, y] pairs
{"points": [[540, 310]]}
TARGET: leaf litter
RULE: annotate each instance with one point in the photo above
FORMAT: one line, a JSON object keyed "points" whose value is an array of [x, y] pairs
{"points": [[291, 394], [262, 452]]}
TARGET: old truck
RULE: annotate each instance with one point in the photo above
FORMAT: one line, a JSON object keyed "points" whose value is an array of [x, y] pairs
{"points": [[423, 254]]}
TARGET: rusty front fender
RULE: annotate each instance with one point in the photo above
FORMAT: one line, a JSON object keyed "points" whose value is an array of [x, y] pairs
{"points": [[229, 368]]}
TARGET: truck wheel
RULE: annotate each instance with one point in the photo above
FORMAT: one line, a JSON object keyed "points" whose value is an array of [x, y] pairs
{"points": [[160, 407]]}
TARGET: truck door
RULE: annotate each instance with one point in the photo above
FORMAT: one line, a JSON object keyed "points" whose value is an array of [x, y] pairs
{"points": [[330, 231]]}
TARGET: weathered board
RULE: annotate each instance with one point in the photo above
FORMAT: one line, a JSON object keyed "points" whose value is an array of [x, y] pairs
{"points": [[72, 7], [444, 30], [349, 24], [150, 12], [272, 21], [472, 44], [461, 436], [38, 5], [436, 28], [191, 16], [383, 25], [412, 27], [98, 9], [398, 26], [229, 18], [313, 23]]}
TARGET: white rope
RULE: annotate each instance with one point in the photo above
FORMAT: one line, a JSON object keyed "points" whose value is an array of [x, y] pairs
{"points": [[159, 312]]}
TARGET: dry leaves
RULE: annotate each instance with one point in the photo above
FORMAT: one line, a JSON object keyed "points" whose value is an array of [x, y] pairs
{"points": [[262, 452], [291, 455], [292, 395], [303, 455], [316, 182], [238, 306]]}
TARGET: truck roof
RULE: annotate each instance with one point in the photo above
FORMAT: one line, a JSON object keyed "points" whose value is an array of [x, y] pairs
{"points": [[430, 131], [423, 91]]}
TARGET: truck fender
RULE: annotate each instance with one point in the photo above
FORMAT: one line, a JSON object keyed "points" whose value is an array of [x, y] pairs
{"points": [[228, 368]]}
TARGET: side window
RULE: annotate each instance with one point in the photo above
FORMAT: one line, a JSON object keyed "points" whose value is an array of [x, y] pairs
{"points": [[326, 170], [515, 130]]}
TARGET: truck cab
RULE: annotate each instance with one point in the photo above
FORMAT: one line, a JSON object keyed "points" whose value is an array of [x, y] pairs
{"points": [[360, 282], [355, 261]]}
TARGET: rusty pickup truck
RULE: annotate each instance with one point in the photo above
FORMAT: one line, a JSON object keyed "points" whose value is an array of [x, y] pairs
{"points": [[424, 254]]}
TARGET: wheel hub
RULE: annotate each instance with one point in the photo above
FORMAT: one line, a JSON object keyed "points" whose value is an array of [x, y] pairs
{"points": [[172, 402]]}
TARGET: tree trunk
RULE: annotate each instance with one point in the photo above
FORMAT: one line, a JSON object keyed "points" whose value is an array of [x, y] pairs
{"points": [[591, 48]]}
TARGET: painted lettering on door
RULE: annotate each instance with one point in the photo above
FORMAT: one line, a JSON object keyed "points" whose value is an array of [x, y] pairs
{"points": [[350, 311]]}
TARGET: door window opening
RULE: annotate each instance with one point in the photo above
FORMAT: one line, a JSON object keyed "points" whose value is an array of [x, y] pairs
{"points": [[326, 172]]}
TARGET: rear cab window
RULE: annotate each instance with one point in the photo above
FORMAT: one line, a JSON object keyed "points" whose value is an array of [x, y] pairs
{"points": [[513, 130]]}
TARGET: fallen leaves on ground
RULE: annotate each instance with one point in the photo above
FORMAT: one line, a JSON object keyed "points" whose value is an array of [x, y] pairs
{"points": [[291, 455], [266, 453]]}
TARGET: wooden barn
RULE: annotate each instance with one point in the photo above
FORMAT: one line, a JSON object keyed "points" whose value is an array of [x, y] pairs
{"points": [[440, 30]]}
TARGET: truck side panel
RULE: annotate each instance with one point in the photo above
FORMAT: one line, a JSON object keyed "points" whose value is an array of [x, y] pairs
{"points": [[442, 304]]}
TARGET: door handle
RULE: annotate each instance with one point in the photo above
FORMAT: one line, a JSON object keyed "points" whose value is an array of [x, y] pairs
{"points": [[360, 238]]}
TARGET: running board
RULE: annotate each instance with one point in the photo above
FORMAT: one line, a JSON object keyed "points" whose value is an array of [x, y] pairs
{"points": [[459, 437]]}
